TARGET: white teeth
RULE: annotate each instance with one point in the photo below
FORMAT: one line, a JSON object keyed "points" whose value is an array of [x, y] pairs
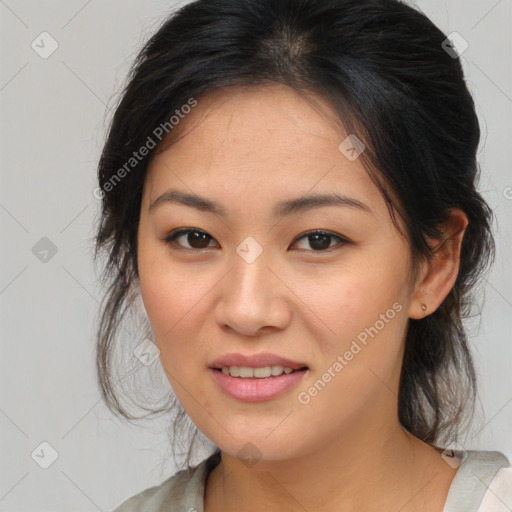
{"points": [[246, 372], [277, 370], [262, 373]]}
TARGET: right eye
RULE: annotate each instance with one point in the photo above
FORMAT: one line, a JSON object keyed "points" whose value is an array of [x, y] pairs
{"points": [[196, 238]]}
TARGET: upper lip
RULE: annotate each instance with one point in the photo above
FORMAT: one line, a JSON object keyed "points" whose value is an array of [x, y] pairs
{"points": [[255, 361]]}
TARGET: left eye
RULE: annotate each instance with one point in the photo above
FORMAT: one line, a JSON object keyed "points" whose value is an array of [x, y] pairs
{"points": [[318, 240]]}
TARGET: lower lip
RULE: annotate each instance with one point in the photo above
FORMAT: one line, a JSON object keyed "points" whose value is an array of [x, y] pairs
{"points": [[255, 389]]}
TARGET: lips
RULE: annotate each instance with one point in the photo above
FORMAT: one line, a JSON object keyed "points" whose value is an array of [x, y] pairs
{"points": [[256, 361]]}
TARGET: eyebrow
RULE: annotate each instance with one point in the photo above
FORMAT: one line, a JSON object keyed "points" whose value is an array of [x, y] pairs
{"points": [[281, 209]]}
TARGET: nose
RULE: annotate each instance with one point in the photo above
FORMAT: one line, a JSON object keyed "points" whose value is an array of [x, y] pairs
{"points": [[253, 298]]}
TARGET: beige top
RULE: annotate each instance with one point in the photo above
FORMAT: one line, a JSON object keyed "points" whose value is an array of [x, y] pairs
{"points": [[483, 483]]}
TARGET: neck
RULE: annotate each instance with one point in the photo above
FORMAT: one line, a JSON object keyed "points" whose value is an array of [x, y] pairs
{"points": [[374, 467]]}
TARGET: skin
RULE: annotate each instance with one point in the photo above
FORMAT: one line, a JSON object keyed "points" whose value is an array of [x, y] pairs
{"points": [[249, 148]]}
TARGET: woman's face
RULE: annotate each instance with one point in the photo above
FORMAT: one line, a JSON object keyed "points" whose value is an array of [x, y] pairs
{"points": [[250, 280]]}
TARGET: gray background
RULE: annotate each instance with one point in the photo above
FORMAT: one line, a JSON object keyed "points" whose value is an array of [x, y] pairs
{"points": [[53, 117]]}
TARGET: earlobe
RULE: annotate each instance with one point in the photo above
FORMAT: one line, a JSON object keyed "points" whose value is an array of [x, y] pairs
{"points": [[440, 271]]}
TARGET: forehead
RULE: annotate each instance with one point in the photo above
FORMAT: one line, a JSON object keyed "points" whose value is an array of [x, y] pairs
{"points": [[251, 113], [259, 141]]}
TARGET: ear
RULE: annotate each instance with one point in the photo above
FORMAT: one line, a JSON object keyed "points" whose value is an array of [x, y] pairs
{"points": [[438, 275]]}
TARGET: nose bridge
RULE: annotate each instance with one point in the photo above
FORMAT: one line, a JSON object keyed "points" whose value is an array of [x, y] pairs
{"points": [[249, 281], [250, 295]]}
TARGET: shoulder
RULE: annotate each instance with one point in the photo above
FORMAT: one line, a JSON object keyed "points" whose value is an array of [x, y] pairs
{"points": [[183, 491], [475, 477], [158, 498], [498, 496]]}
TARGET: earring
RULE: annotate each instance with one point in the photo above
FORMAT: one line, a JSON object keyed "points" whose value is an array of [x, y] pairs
{"points": [[424, 307]]}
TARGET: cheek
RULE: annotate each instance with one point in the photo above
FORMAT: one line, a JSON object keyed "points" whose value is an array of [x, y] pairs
{"points": [[364, 306], [355, 296], [361, 356], [174, 299], [176, 311]]}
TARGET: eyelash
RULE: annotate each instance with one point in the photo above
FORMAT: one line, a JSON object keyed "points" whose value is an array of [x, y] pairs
{"points": [[170, 239]]}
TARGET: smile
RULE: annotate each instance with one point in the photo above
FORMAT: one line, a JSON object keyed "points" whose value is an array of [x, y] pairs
{"points": [[256, 384], [245, 372]]}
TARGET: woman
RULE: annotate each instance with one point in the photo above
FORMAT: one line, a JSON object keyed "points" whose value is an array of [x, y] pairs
{"points": [[289, 186]]}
